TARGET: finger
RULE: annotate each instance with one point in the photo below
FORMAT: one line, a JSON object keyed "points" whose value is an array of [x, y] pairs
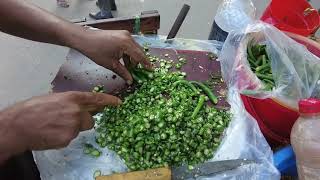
{"points": [[122, 71], [147, 64], [127, 62], [145, 61], [137, 55], [87, 121], [93, 101]]}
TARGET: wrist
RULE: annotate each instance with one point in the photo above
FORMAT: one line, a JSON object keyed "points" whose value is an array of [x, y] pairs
{"points": [[76, 37], [10, 144]]}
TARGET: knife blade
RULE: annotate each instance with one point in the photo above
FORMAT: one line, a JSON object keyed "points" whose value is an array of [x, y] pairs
{"points": [[208, 168], [179, 173]]}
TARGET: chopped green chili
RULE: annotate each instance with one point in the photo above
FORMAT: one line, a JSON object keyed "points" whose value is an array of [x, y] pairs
{"points": [[154, 125]]}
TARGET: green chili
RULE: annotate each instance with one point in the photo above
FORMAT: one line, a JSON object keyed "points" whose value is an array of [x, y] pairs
{"points": [[144, 73], [96, 173], [251, 54], [262, 76], [252, 62], [263, 67], [264, 60], [269, 81], [153, 126], [186, 83], [206, 90], [259, 61], [135, 77], [199, 106]]}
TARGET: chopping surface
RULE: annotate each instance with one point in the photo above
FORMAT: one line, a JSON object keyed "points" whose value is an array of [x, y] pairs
{"points": [[81, 74]]}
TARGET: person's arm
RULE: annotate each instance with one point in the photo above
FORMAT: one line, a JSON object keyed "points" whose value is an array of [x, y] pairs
{"points": [[52, 121], [23, 19], [48, 122]]}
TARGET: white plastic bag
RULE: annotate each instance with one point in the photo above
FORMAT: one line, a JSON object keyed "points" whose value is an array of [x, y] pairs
{"points": [[234, 14], [296, 71], [242, 139]]}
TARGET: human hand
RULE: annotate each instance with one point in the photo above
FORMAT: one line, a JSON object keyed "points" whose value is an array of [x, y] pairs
{"points": [[107, 47], [50, 121]]}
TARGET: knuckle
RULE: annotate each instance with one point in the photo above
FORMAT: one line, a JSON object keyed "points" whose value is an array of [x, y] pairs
{"points": [[125, 32], [75, 110], [125, 37], [115, 65], [74, 133], [67, 138], [91, 125], [64, 144], [72, 95]]}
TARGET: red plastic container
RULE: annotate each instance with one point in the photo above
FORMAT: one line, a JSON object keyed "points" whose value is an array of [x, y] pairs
{"points": [[292, 16], [276, 120]]}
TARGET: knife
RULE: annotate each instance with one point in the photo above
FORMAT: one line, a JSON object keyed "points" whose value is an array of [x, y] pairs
{"points": [[179, 173]]}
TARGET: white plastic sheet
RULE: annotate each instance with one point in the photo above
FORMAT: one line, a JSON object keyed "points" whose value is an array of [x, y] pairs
{"points": [[27, 68], [242, 139]]}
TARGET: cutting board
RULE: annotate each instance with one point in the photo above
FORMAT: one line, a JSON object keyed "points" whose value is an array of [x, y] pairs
{"points": [[151, 174], [81, 74]]}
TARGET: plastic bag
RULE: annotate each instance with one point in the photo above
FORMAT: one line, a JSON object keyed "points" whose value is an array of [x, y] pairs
{"points": [[242, 138], [296, 71], [234, 14]]}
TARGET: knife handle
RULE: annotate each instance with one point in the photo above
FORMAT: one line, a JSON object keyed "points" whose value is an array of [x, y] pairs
{"points": [[150, 174]]}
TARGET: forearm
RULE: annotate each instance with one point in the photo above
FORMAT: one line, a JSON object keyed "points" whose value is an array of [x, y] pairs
{"points": [[23, 19], [12, 142]]}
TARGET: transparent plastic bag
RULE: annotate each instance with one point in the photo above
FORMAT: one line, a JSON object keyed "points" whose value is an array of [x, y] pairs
{"points": [[234, 14], [296, 71], [242, 139]]}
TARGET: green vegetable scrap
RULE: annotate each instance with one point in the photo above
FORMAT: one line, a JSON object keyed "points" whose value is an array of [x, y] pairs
{"points": [[96, 173], [164, 122], [90, 150], [261, 65], [212, 56], [182, 60], [98, 89]]}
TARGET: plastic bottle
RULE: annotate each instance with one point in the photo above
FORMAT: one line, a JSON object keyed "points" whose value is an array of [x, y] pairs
{"points": [[231, 15], [305, 139]]}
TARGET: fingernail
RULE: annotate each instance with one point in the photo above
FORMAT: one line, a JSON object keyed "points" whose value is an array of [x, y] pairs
{"points": [[151, 66], [129, 82]]}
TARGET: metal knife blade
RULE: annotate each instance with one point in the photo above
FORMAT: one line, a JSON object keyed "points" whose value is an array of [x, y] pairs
{"points": [[208, 168]]}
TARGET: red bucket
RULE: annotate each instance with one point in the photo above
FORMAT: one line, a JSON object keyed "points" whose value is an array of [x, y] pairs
{"points": [[296, 16], [276, 120]]}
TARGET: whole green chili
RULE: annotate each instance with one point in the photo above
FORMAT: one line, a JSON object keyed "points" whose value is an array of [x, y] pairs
{"points": [[207, 90], [262, 76], [199, 106], [250, 53], [263, 67], [186, 83]]}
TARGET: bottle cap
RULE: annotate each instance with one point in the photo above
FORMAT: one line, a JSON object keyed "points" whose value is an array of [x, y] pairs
{"points": [[309, 106]]}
